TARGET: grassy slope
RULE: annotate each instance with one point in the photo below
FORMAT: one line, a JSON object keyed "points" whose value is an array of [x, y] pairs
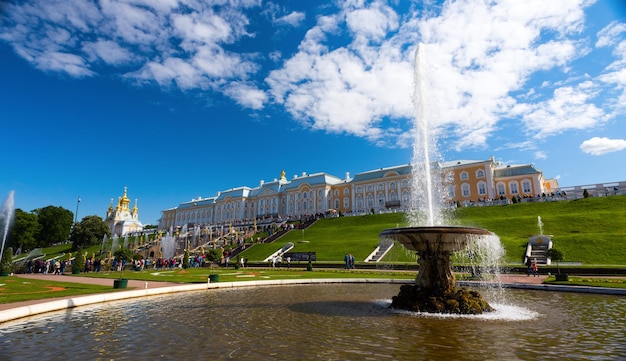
{"points": [[592, 231], [332, 238]]}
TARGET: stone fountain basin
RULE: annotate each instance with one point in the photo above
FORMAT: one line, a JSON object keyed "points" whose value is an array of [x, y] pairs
{"points": [[435, 238]]}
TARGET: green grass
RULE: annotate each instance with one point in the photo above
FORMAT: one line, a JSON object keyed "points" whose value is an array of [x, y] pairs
{"points": [[615, 282], [14, 289], [332, 238], [200, 275], [591, 231]]}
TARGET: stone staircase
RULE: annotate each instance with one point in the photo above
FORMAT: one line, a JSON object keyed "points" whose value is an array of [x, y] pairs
{"points": [[537, 248], [380, 251], [538, 253]]}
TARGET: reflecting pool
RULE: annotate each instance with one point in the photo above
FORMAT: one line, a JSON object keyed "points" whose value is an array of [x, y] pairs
{"points": [[321, 322]]}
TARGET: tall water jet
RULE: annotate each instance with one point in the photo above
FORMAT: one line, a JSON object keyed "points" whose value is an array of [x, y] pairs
{"points": [[435, 285], [427, 187], [6, 214], [168, 246]]}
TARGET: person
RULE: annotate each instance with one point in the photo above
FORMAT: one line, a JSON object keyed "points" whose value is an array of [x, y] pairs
{"points": [[346, 260], [288, 262], [529, 266], [534, 267], [243, 262]]}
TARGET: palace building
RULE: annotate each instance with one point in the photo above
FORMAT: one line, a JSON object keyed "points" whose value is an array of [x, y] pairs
{"points": [[380, 190], [121, 219]]}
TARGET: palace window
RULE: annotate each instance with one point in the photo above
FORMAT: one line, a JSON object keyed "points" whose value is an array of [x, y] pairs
{"points": [[346, 202], [526, 188], [513, 187], [482, 188], [465, 190], [480, 173], [501, 189], [464, 176]]}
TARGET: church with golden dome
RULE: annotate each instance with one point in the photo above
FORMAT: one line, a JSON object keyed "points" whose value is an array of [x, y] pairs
{"points": [[122, 220]]}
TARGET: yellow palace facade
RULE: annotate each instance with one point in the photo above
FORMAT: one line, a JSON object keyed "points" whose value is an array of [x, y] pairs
{"points": [[467, 182]]}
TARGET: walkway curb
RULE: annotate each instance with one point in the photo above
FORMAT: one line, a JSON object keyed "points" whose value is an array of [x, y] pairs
{"points": [[67, 303]]}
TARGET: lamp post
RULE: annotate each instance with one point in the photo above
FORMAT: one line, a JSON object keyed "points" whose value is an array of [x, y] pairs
{"points": [[75, 219], [76, 214]]}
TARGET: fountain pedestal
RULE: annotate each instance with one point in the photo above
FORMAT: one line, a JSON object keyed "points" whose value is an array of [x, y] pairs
{"points": [[435, 285]]}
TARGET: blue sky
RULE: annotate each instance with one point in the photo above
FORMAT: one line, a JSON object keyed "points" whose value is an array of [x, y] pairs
{"points": [[176, 99]]}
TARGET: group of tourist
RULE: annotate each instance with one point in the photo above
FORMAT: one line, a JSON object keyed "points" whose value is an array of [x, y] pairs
{"points": [[277, 261], [531, 267], [348, 259], [46, 266]]}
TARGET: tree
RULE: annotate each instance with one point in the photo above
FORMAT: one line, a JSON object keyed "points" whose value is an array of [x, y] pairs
{"points": [[585, 193], [55, 222], [89, 232], [186, 259], [23, 232], [555, 255], [6, 261]]}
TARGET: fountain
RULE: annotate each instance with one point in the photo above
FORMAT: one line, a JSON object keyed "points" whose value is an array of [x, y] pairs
{"points": [[168, 246], [435, 286], [5, 218]]}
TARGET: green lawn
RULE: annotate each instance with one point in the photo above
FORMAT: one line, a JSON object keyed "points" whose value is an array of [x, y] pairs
{"points": [[591, 231], [14, 289]]}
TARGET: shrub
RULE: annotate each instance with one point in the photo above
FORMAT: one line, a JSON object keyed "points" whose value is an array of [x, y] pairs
{"points": [[555, 255]]}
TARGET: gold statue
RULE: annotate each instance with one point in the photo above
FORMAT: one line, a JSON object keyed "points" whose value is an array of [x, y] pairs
{"points": [[282, 175]]}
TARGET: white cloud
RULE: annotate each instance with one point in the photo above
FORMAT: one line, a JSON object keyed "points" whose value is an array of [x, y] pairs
{"points": [[477, 54], [353, 71], [611, 34], [247, 95], [70, 63], [602, 145], [108, 51], [569, 108], [540, 155], [295, 18]]}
